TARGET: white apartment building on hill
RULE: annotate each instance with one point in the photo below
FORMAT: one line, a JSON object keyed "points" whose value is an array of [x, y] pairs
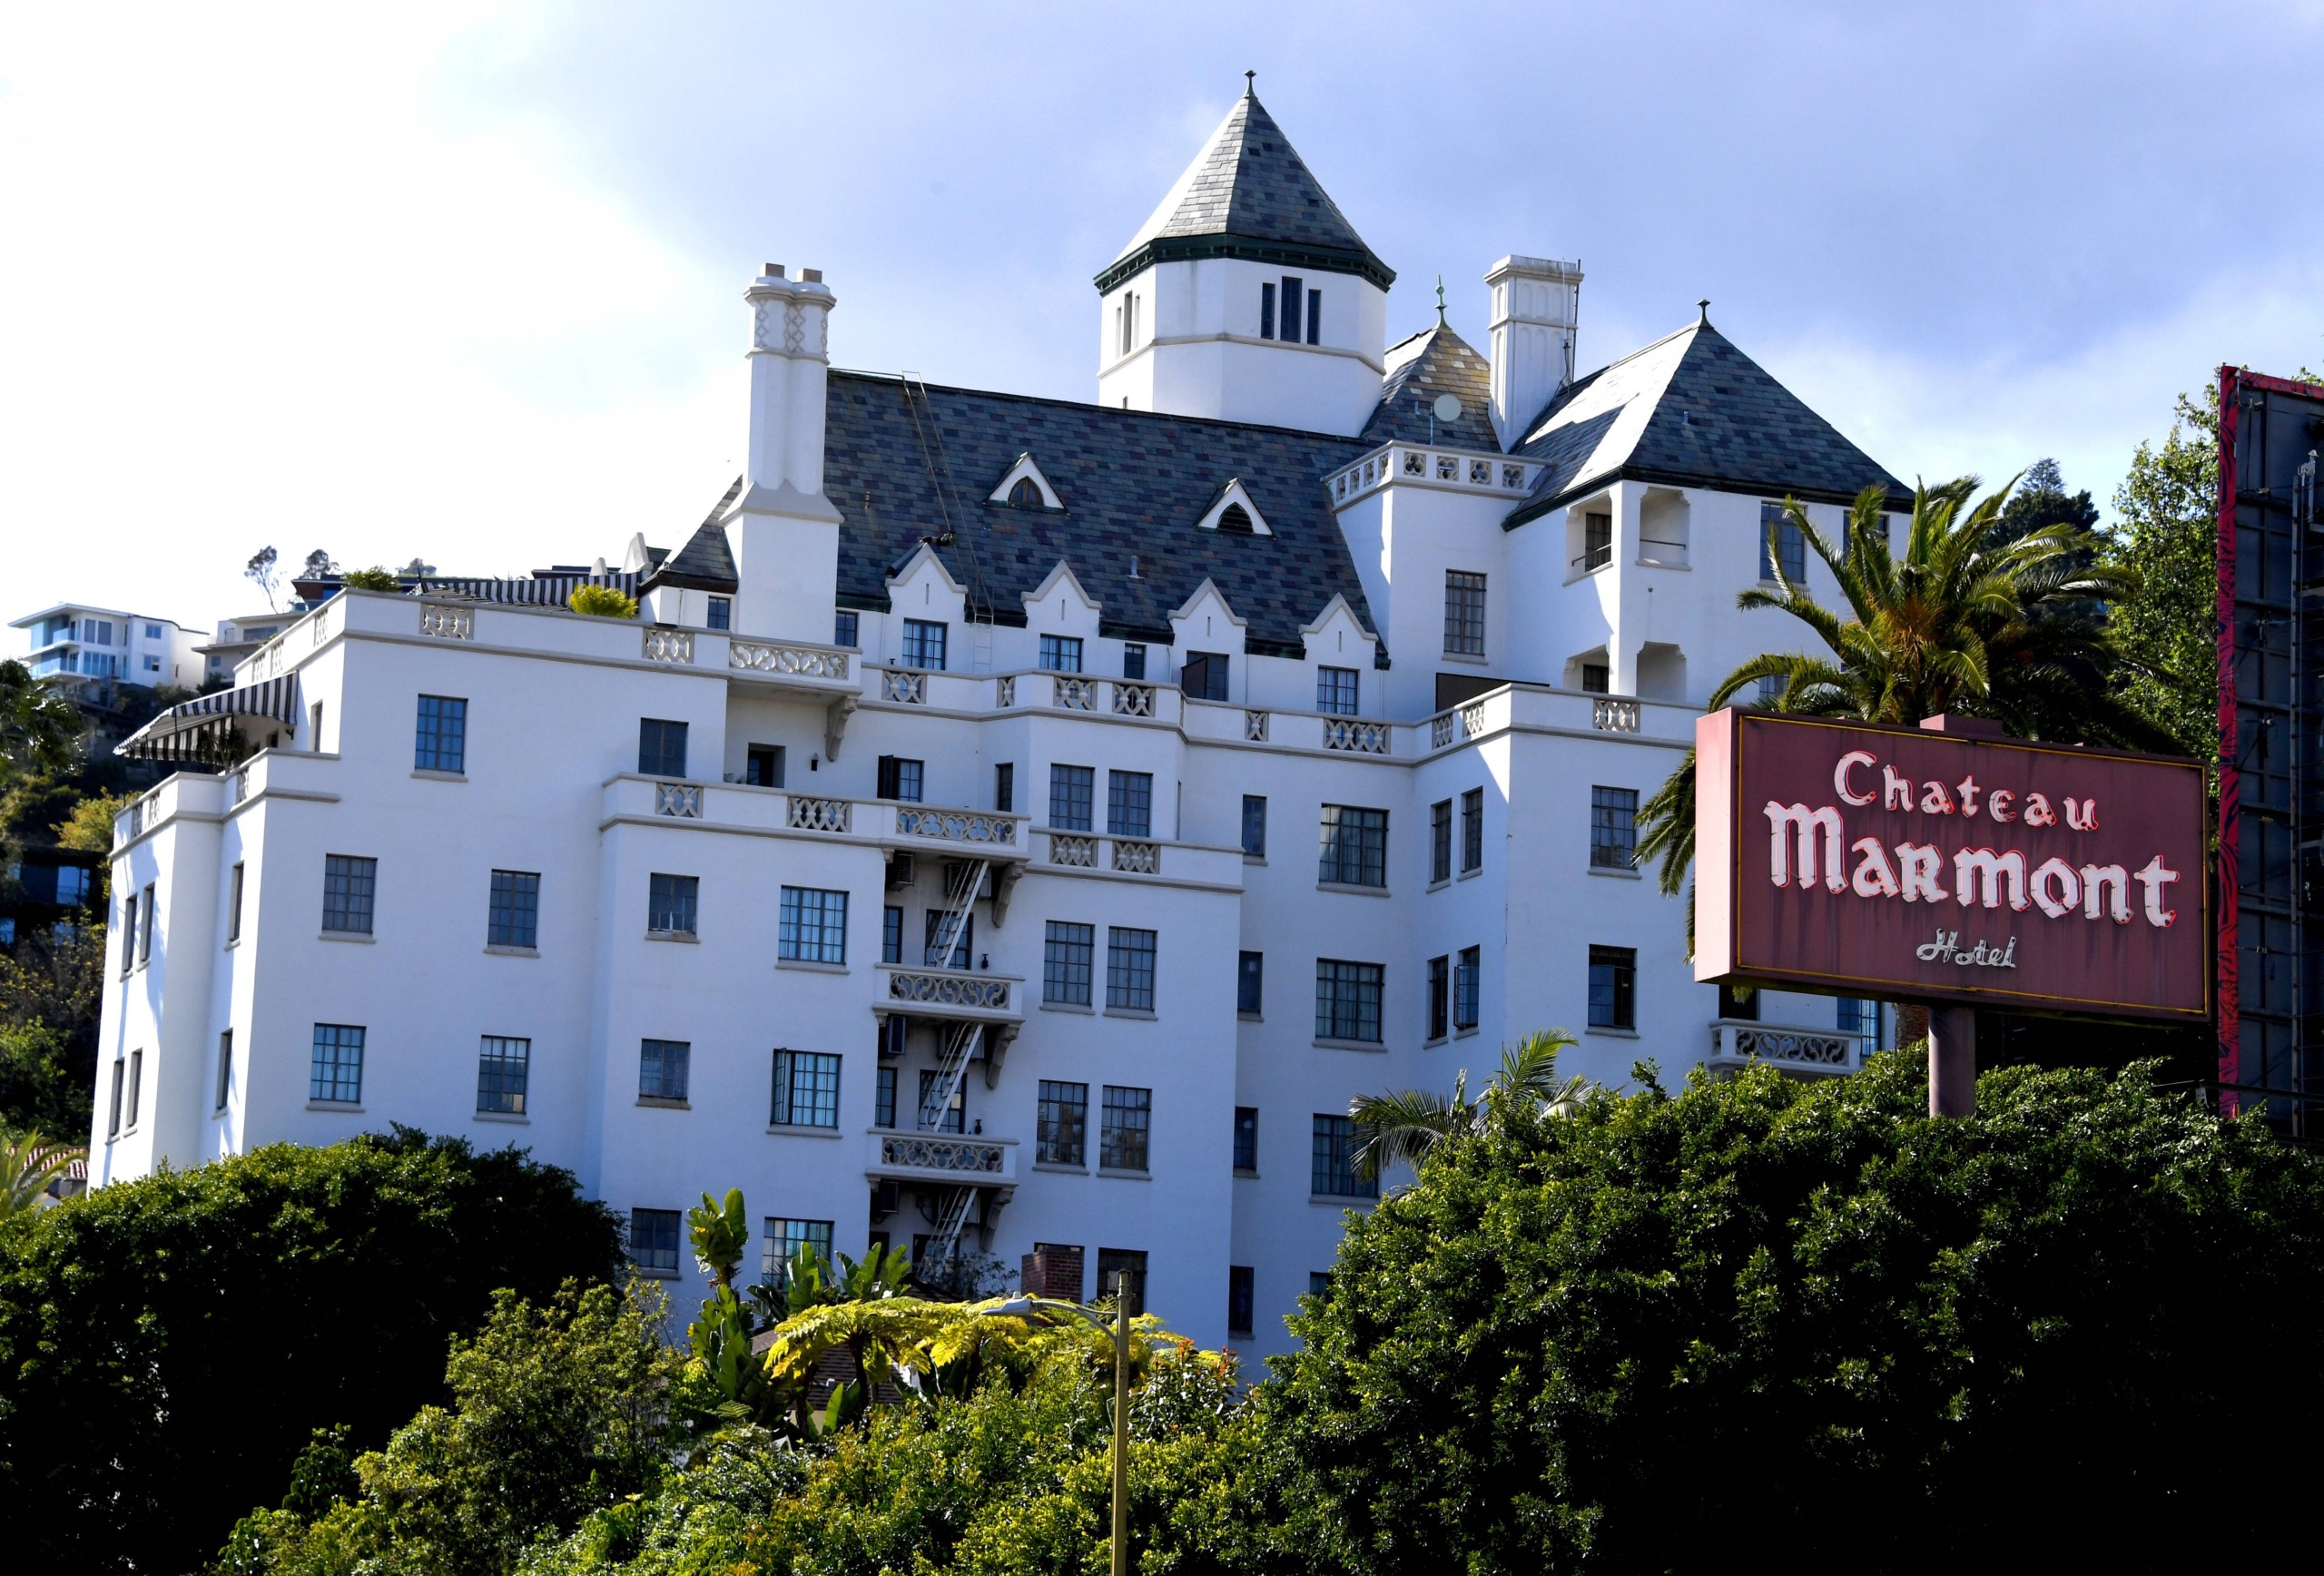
{"points": [[1012, 823]]}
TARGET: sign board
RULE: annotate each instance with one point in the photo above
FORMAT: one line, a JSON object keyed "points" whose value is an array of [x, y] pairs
{"points": [[1921, 866]]}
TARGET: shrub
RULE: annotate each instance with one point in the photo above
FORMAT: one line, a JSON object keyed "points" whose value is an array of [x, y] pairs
{"points": [[375, 578], [603, 602]]}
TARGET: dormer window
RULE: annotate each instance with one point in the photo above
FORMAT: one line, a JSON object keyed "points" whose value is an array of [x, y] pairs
{"points": [[1026, 494], [1237, 518], [1022, 485], [1235, 510]]}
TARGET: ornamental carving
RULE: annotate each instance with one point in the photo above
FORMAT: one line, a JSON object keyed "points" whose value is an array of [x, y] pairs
{"points": [[956, 825], [950, 991], [802, 661], [942, 1155]]}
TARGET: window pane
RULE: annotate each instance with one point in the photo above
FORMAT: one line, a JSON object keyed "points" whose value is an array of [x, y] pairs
{"points": [[1250, 977], [1246, 1138], [654, 1240], [662, 1067], [670, 903], [938, 930], [441, 744], [1255, 825], [1266, 311], [1333, 1174], [883, 1098], [1061, 653], [1335, 691], [1122, 1128], [1347, 1000], [1129, 969], [1781, 544], [1062, 1133], [348, 883], [338, 1070], [1440, 841], [1072, 789], [891, 935], [1613, 972], [952, 1119], [1238, 1299], [514, 920], [1439, 1000], [1613, 827], [1129, 804], [813, 926], [806, 1089], [1117, 1262], [1065, 962], [844, 627], [503, 1066], [1464, 988], [1134, 660], [1472, 829], [661, 748], [1354, 846], [781, 1242], [924, 644], [1004, 787], [1464, 612]]}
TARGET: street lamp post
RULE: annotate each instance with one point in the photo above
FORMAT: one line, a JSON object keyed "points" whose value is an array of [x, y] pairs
{"points": [[1030, 1308]]}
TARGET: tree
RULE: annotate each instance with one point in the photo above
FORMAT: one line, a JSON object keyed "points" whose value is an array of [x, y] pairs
{"points": [[89, 827], [317, 564], [2166, 531], [51, 992], [1812, 1315], [28, 1164], [168, 1345], [262, 573], [40, 727], [1969, 619], [40, 1088], [372, 579], [1401, 1129], [603, 602]]}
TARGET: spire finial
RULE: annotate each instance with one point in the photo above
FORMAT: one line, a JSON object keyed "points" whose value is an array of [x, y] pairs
{"points": [[1703, 306], [1250, 84], [1440, 301]]}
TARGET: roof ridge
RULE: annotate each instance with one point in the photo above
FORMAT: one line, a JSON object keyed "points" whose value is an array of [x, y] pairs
{"points": [[1059, 401]]}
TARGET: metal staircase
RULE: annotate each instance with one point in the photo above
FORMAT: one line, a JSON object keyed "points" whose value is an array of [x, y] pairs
{"points": [[963, 882], [947, 1240]]}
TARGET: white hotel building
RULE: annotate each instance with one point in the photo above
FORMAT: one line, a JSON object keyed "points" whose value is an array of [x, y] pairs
{"points": [[1012, 822]]}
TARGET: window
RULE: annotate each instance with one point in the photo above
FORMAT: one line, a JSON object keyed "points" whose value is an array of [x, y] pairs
{"points": [[1204, 676], [1250, 981], [1596, 678], [1114, 1265], [1266, 311], [74, 885], [234, 903], [1132, 660], [661, 748], [1236, 521], [669, 901], [153, 632], [1440, 841], [953, 1117], [1004, 787], [1472, 830], [937, 932], [844, 627], [145, 925], [1440, 981], [924, 644], [1335, 691], [1740, 1003], [1314, 316], [348, 883], [1246, 1138], [514, 920], [883, 1098], [128, 933], [1613, 827], [1781, 545], [1062, 1130], [1861, 1015], [1613, 987], [722, 613], [1060, 654], [1122, 1127], [338, 1070], [1333, 1173], [763, 766], [783, 1240], [1464, 614], [501, 1069], [1294, 293], [1769, 689], [653, 1242], [442, 741], [662, 1069], [1596, 542], [891, 935], [1319, 1283], [1238, 1299], [1129, 804], [1354, 847], [113, 1110], [1465, 987], [806, 1089], [225, 1068], [1071, 789], [1347, 1000], [1255, 826], [813, 926], [1129, 969], [1065, 961], [1026, 493], [136, 1081], [900, 779]]}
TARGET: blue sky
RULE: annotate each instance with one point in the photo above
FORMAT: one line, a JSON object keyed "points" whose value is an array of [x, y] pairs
{"points": [[463, 282]]}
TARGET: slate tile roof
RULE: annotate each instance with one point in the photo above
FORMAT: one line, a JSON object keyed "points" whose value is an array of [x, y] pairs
{"points": [[1693, 411], [1132, 483], [705, 563], [1432, 362]]}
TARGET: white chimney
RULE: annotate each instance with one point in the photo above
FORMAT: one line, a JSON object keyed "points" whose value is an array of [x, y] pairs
{"points": [[1536, 303], [782, 531]]}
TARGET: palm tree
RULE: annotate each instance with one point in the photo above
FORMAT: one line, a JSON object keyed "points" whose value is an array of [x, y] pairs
{"points": [[1972, 618], [1405, 1127], [40, 728], [27, 1166]]}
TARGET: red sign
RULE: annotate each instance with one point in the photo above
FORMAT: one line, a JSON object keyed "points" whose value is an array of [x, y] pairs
{"points": [[1922, 866]]}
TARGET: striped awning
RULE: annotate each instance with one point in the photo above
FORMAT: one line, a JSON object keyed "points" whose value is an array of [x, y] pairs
{"points": [[208, 729]]}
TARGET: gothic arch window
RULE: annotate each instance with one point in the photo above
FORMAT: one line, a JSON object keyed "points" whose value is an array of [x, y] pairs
{"points": [[1235, 517], [1026, 494]]}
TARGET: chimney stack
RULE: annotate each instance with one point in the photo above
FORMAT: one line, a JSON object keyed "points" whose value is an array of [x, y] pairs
{"points": [[783, 533], [1536, 304]]}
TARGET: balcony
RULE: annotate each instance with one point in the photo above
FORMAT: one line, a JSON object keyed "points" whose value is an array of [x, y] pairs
{"points": [[923, 829], [947, 1159], [1736, 1043], [960, 995]]}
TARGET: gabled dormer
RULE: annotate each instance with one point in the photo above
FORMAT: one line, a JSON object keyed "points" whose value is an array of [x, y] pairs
{"points": [[1023, 487], [1062, 619], [922, 592], [1208, 636], [1235, 513]]}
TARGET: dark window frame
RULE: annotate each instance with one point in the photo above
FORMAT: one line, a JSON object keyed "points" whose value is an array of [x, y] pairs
{"points": [[440, 735], [1131, 966], [1125, 1128], [803, 1089], [1061, 1123], [350, 894], [513, 909], [1614, 988], [1349, 996]]}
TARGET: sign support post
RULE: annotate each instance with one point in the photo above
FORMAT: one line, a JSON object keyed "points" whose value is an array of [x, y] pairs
{"points": [[1952, 1060]]}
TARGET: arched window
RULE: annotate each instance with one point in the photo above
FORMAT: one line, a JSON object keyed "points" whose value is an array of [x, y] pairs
{"points": [[1026, 494], [1235, 517]]}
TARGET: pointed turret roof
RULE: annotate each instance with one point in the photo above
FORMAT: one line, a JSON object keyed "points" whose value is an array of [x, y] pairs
{"points": [[1434, 362], [1249, 194]]}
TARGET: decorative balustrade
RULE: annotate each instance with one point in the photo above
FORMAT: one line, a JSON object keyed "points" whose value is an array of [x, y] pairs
{"points": [[1004, 692], [1613, 717], [810, 815], [239, 785], [929, 1152], [668, 645], [1357, 738], [1733, 1043], [447, 621], [980, 991], [1255, 727], [1453, 726], [909, 689], [1137, 858], [795, 661], [1133, 700], [683, 800], [1068, 848], [955, 825], [1074, 694]]}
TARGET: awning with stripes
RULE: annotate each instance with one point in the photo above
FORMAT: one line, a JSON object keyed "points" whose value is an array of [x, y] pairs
{"points": [[204, 729]]}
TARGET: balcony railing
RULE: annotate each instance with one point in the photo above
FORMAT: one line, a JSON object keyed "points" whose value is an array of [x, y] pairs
{"points": [[1133, 700], [1455, 726], [1135, 857], [771, 657], [956, 825], [943, 1157], [668, 645], [1073, 694], [1736, 1042], [1357, 738], [447, 621], [1614, 716], [683, 800], [809, 815], [909, 689], [948, 993]]}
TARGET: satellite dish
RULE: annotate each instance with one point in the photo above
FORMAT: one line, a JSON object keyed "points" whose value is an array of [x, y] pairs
{"points": [[1447, 408]]}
